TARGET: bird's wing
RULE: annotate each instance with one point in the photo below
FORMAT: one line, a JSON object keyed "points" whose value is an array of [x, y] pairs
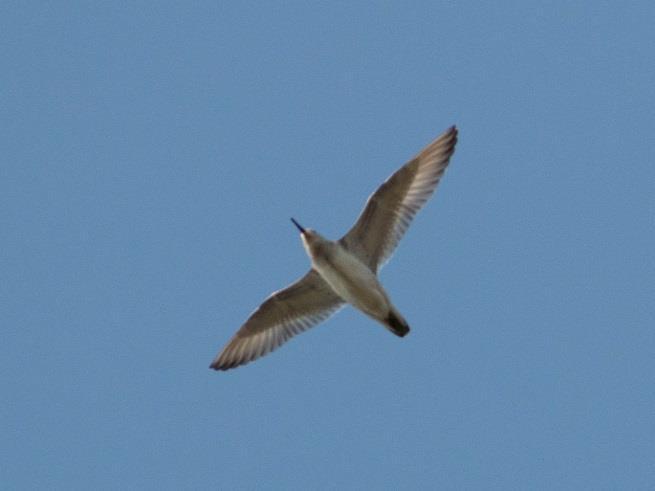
{"points": [[391, 208], [286, 312]]}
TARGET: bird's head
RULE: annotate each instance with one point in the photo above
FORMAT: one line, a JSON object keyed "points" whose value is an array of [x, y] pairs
{"points": [[310, 238]]}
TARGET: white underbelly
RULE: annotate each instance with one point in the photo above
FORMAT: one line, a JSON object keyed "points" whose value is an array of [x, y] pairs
{"points": [[355, 283]]}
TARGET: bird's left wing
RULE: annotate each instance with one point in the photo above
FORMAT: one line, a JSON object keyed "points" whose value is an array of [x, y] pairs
{"points": [[391, 208], [286, 312]]}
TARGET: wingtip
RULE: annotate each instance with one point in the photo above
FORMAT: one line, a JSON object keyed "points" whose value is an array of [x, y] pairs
{"points": [[446, 140], [448, 137], [220, 365], [224, 362]]}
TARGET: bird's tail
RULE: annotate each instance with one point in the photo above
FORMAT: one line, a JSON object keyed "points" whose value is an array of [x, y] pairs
{"points": [[396, 323]]}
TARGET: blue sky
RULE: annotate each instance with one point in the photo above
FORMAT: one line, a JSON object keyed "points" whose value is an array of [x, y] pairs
{"points": [[152, 156]]}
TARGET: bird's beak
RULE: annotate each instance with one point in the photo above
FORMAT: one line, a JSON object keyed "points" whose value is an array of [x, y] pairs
{"points": [[302, 230]]}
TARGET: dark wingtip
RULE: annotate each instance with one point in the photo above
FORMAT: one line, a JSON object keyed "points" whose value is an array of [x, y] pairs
{"points": [[218, 366], [452, 132]]}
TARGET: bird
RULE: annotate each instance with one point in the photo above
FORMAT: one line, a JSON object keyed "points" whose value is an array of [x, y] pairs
{"points": [[345, 271]]}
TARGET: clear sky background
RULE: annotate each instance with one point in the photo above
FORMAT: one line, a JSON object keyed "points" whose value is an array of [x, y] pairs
{"points": [[151, 157]]}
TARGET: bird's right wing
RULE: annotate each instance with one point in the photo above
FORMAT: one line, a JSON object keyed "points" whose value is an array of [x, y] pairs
{"points": [[391, 208], [286, 312]]}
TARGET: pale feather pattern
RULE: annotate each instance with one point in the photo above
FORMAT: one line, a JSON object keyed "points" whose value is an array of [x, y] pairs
{"points": [[286, 312], [390, 209]]}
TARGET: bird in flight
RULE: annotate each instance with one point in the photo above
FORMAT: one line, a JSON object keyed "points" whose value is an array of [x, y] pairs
{"points": [[345, 271]]}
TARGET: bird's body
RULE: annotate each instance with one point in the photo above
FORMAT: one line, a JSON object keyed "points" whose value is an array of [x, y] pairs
{"points": [[345, 271], [350, 278]]}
